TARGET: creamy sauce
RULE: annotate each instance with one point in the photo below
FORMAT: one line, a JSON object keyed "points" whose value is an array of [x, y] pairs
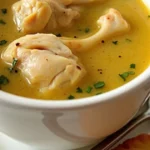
{"points": [[104, 62]]}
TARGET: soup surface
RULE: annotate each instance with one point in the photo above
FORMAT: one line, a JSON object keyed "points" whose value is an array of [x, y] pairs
{"points": [[109, 64]]}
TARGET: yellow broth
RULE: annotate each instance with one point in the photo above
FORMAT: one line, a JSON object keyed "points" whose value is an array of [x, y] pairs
{"points": [[104, 62]]}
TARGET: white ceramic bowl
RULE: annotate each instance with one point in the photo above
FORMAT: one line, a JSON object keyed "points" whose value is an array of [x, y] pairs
{"points": [[67, 125]]}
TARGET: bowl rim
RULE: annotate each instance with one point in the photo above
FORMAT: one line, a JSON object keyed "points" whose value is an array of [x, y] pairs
{"points": [[31, 103]]}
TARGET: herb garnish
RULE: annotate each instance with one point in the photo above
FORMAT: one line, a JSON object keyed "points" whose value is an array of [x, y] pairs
{"points": [[133, 66], [3, 80], [115, 42], [125, 75], [148, 16], [4, 10], [14, 63], [2, 22], [128, 40], [3, 42], [99, 85], [79, 90], [71, 97], [89, 89], [99, 93], [87, 30]]}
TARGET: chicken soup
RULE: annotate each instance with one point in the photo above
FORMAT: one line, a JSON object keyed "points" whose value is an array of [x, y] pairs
{"points": [[65, 50]]}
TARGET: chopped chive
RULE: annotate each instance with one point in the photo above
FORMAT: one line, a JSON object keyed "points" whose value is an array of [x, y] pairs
{"points": [[14, 63], [79, 90], [133, 66], [2, 22], [89, 89], [3, 80], [126, 74], [131, 73], [99, 93], [99, 85], [3, 42], [128, 40], [87, 30], [4, 10], [71, 97], [115, 42]]}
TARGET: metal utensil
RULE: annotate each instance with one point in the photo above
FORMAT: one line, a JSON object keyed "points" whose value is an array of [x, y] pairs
{"points": [[143, 115]]}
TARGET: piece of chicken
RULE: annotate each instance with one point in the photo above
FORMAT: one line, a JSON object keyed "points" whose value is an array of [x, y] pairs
{"points": [[45, 61], [109, 25], [78, 2], [34, 16], [62, 16]]}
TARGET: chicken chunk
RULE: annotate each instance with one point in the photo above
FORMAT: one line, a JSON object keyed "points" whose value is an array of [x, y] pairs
{"points": [[62, 16], [33, 16], [45, 61], [29, 15], [109, 25]]}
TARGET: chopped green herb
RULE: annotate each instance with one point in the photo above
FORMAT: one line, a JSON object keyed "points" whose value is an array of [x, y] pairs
{"points": [[2, 22], [3, 42], [14, 63], [99, 93], [87, 30], [89, 89], [148, 16], [115, 42], [128, 40], [4, 10], [133, 66], [79, 90], [3, 80], [126, 74], [99, 85], [131, 73], [71, 97]]}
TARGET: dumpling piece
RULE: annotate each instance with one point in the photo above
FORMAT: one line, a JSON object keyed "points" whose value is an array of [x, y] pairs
{"points": [[109, 25], [31, 16], [45, 61], [34, 16], [62, 16]]}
